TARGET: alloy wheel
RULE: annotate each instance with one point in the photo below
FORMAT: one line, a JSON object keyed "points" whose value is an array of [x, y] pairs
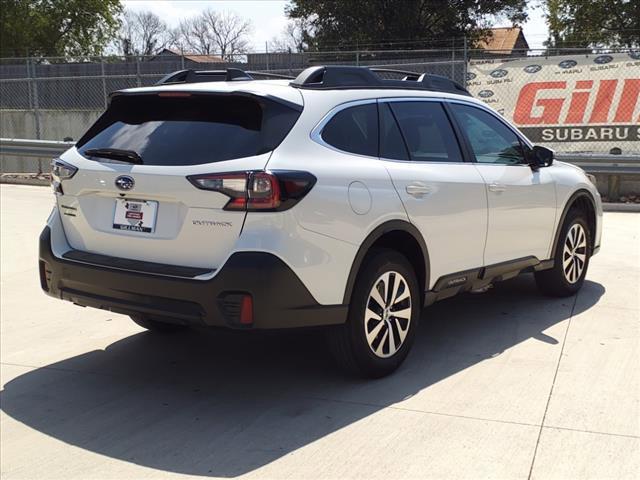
{"points": [[387, 315], [574, 253]]}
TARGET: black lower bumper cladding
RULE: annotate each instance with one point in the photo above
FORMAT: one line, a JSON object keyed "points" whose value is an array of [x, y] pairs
{"points": [[280, 299]]}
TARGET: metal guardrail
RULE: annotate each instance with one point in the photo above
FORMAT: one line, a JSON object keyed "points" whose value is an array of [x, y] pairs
{"points": [[33, 148], [606, 164]]}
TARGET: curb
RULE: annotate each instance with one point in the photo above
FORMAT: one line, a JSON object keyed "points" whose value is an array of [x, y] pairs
{"points": [[621, 207], [43, 182]]}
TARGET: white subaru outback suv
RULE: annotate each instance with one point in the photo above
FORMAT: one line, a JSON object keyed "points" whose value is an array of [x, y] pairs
{"points": [[339, 199]]}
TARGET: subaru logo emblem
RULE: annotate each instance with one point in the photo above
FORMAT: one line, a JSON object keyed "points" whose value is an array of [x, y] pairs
{"points": [[567, 64], [532, 68], [602, 59], [124, 182], [485, 94], [501, 72]]}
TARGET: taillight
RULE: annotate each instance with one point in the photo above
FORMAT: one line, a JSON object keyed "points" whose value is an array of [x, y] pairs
{"points": [[258, 190], [263, 192], [60, 171]]}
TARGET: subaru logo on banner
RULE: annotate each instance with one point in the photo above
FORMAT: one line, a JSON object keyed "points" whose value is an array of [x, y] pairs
{"points": [[485, 94], [125, 182], [567, 64], [602, 59], [499, 73]]}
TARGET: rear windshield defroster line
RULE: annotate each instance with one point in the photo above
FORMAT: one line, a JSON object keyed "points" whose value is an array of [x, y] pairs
{"points": [[191, 130]]}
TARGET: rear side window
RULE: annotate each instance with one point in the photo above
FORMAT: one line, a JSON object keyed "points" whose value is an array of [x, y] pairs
{"points": [[354, 130], [427, 131], [191, 130]]}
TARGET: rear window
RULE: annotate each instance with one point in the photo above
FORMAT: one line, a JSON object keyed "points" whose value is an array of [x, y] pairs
{"points": [[191, 130]]}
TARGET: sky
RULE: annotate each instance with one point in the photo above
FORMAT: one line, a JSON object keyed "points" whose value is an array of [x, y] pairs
{"points": [[268, 17]]}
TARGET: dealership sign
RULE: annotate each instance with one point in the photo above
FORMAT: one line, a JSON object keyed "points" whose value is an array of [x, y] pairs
{"points": [[565, 100]]}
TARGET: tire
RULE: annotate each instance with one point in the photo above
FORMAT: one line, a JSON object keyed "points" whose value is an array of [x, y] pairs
{"points": [[570, 261], [157, 325], [390, 338]]}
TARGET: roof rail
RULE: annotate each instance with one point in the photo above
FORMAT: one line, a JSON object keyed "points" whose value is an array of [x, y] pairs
{"points": [[255, 73], [336, 77], [407, 74], [197, 76]]}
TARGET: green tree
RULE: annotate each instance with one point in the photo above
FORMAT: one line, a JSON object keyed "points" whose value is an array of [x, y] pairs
{"points": [[579, 23], [57, 27], [336, 24]]}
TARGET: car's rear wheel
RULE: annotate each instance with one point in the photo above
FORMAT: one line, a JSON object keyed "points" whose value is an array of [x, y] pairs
{"points": [[571, 258], [159, 326], [383, 316]]}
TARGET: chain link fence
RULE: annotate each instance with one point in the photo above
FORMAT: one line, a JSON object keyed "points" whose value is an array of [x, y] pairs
{"points": [[573, 101]]}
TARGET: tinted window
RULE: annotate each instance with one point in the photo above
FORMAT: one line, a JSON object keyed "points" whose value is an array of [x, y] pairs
{"points": [[491, 140], [427, 131], [391, 142], [190, 130], [354, 130]]}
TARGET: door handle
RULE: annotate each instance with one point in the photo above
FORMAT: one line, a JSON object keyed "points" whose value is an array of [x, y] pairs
{"points": [[417, 190], [497, 187]]}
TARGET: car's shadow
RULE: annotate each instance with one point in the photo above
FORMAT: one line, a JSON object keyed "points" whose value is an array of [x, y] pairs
{"points": [[224, 403]]}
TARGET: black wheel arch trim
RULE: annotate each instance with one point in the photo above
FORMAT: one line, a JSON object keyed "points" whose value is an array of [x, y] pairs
{"points": [[582, 193], [375, 235]]}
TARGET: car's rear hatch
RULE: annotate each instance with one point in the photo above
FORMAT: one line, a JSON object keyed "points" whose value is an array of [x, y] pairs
{"points": [[131, 198]]}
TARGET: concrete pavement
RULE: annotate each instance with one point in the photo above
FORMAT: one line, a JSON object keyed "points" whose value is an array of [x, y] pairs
{"points": [[507, 384]]}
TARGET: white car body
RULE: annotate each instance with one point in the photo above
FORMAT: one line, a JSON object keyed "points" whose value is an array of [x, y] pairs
{"points": [[469, 215]]}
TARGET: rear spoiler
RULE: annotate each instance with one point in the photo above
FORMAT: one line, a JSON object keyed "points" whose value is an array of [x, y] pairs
{"points": [[241, 93]]}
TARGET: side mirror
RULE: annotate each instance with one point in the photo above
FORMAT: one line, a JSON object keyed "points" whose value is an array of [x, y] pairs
{"points": [[541, 157]]}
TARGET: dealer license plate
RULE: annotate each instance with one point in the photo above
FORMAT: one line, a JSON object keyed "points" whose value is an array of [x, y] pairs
{"points": [[135, 215]]}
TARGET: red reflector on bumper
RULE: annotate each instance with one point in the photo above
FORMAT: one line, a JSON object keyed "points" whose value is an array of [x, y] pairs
{"points": [[246, 310]]}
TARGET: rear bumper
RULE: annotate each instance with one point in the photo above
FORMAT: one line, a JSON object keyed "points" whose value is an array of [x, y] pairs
{"points": [[280, 299]]}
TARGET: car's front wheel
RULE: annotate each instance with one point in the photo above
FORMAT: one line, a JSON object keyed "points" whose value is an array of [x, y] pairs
{"points": [[571, 258], [383, 316]]}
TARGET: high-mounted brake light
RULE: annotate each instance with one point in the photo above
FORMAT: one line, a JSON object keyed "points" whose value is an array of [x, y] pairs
{"points": [[258, 190]]}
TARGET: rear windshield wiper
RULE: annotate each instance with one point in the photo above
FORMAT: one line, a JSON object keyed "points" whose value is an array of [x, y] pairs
{"points": [[129, 156]]}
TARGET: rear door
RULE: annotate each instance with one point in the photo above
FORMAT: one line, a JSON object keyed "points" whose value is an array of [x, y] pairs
{"points": [[522, 202], [149, 210], [443, 195]]}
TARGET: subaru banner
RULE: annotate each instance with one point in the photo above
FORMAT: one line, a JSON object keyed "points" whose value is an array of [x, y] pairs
{"points": [[584, 102]]}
